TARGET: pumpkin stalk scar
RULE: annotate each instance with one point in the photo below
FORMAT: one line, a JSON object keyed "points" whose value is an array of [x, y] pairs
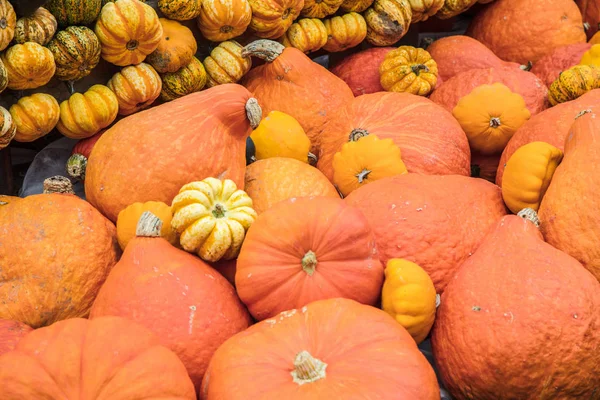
{"points": [[219, 211], [132, 45], [495, 122], [356, 134], [264, 49], [417, 68], [362, 175], [307, 369], [58, 184], [530, 215], [149, 225], [253, 112], [309, 262]]}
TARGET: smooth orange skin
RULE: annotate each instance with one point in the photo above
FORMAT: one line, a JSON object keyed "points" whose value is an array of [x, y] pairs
{"points": [[206, 131], [272, 180], [527, 30], [550, 126], [11, 333], [297, 86], [570, 220], [56, 251], [270, 278], [368, 356], [562, 58], [529, 86], [430, 140], [590, 12], [103, 359], [360, 70], [437, 222], [156, 284], [519, 321]]}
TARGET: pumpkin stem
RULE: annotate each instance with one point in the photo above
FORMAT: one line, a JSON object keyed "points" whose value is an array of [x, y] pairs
{"points": [[417, 68], [132, 45], [226, 28], [495, 122], [76, 165], [530, 215], [253, 112], [219, 211], [357, 133], [309, 262], [586, 26], [362, 175], [70, 86], [149, 225], [527, 67], [264, 49], [312, 159], [307, 369], [582, 113], [58, 184]]}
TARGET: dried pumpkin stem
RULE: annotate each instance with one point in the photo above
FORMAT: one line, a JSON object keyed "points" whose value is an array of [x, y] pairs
{"points": [[307, 369], [362, 175], [58, 184], [264, 49], [495, 122], [76, 165], [253, 112], [417, 68], [356, 134], [309, 262], [312, 159], [149, 225], [218, 211], [530, 215], [582, 113]]}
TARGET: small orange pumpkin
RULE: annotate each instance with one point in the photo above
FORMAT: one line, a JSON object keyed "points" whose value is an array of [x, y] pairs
{"points": [[221, 20], [128, 219], [8, 21], [408, 69], [175, 49], [345, 32], [307, 35], [136, 87], [271, 18], [226, 64], [28, 65], [35, 116]]}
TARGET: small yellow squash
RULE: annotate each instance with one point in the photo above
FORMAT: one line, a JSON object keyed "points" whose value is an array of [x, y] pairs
{"points": [[189, 79], [226, 64], [320, 8], [408, 69], [573, 83], [136, 87], [345, 32], [39, 27], [307, 35], [592, 56], [271, 18], [280, 135], [28, 65], [180, 10], [35, 116]]}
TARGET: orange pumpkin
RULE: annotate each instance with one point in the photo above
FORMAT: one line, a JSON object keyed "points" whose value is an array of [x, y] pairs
{"points": [[345, 31], [11, 333], [28, 65], [5, 199], [226, 64], [35, 116], [549, 67], [79, 358], [271, 18], [360, 70], [128, 218], [307, 249], [221, 20], [176, 48], [136, 87], [323, 346]]}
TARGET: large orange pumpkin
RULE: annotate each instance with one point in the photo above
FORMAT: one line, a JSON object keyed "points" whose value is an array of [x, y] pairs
{"points": [[429, 138], [185, 140], [292, 83], [11, 333], [562, 58], [307, 249], [519, 321], [590, 11], [107, 358], [526, 30], [189, 305], [360, 70], [436, 222], [330, 349]]}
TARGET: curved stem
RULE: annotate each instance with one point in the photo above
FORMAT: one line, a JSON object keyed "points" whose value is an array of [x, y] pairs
{"points": [[70, 86], [362, 175], [495, 122], [312, 159], [76, 165], [253, 112], [417, 68], [149, 225], [530, 215], [58, 184], [356, 134], [307, 369], [309, 262], [264, 49]]}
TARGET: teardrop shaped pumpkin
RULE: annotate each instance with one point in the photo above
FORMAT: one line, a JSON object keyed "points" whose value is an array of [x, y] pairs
{"points": [[189, 79], [35, 116], [28, 66], [226, 64], [175, 49], [221, 20], [345, 31], [136, 87], [307, 35], [76, 52], [38, 27]]}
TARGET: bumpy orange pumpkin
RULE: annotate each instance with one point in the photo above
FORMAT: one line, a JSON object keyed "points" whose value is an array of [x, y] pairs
{"points": [[221, 20], [8, 21], [345, 31], [408, 69], [136, 87], [226, 64], [8, 128], [271, 18], [5, 199], [35, 116], [307, 35], [387, 21], [175, 49], [28, 65], [128, 219]]}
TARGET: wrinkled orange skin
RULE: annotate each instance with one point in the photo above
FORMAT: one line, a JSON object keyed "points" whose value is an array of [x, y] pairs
{"points": [[416, 217], [590, 11], [551, 126], [160, 150], [519, 321], [297, 86], [55, 253], [272, 180], [562, 58], [454, 54], [11, 333], [270, 277], [569, 215], [529, 86], [360, 70], [526, 30], [430, 140], [368, 356], [103, 359], [156, 284]]}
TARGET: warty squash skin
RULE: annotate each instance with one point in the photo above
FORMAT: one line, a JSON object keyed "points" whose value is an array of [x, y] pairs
{"points": [[320, 8], [307, 35], [387, 21], [573, 83], [189, 79], [562, 58], [35, 116], [360, 70], [8, 21], [93, 359], [489, 343], [28, 65], [8, 128], [11, 333], [408, 69], [323, 346], [271, 18], [590, 12], [136, 87], [226, 64], [345, 31], [176, 48], [207, 129], [180, 10], [221, 20], [74, 12], [76, 52], [39, 27]]}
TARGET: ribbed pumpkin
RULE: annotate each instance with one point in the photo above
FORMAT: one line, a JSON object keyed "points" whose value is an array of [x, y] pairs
{"points": [[35, 116], [573, 83], [77, 163], [452, 8], [221, 20], [345, 31], [175, 49], [38, 27], [128, 30], [271, 18], [74, 12], [129, 217], [28, 65], [423, 9], [8, 128], [408, 69], [76, 52], [84, 115], [562, 58], [136, 87], [320, 8], [189, 79], [8, 20], [11, 333], [387, 21], [280, 135], [307, 35], [356, 6], [226, 64], [180, 10], [3, 76]]}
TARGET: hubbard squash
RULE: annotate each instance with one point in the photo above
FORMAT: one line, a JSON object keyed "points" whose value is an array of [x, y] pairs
{"points": [[307, 35], [320, 8], [423, 9], [189, 79], [315, 351], [76, 52], [11, 333], [356, 6], [344, 32], [74, 12], [35, 116], [28, 66], [408, 69], [221, 20], [176, 48], [39, 27], [360, 70], [573, 83], [213, 124], [180, 10], [8, 21], [590, 11], [551, 65], [77, 163], [226, 64], [280, 135], [136, 87], [387, 21], [505, 305], [78, 358], [271, 18], [8, 128], [128, 219]]}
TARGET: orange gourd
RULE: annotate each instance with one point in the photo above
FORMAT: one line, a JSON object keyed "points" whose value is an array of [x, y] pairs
{"points": [[128, 219], [221, 20], [176, 48], [35, 116], [271, 18], [11, 332], [136, 87]]}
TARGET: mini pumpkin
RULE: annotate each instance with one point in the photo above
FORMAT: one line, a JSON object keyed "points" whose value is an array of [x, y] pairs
{"points": [[490, 115], [35, 116], [128, 30], [128, 219], [307, 35], [366, 160], [28, 65], [409, 296], [221, 20], [38, 27], [591, 57], [176, 48], [180, 10], [76, 52], [226, 64], [408, 69], [345, 31], [74, 12], [320, 8], [8, 129], [387, 21], [212, 217], [280, 135], [573, 83], [271, 18], [189, 79], [423, 9], [528, 174], [136, 87], [356, 5], [84, 115], [8, 21]]}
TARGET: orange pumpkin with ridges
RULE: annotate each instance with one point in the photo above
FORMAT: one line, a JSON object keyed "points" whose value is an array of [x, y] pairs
{"points": [[176, 48], [222, 20], [11, 333]]}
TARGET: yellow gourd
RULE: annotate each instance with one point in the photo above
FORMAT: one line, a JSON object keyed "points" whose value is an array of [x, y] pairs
{"points": [[592, 56], [280, 135]]}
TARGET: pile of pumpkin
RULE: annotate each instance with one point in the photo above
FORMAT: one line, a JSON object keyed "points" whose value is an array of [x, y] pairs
{"points": [[281, 237]]}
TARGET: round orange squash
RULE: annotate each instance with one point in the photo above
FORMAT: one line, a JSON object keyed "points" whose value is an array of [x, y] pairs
{"points": [[104, 358], [176, 48], [271, 18], [499, 316], [128, 218], [11, 333], [221, 20], [427, 219], [330, 349], [562, 58], [189, 305], [35, 116], [136, 87], [5, 199], [28, 66], [307, 249]]}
